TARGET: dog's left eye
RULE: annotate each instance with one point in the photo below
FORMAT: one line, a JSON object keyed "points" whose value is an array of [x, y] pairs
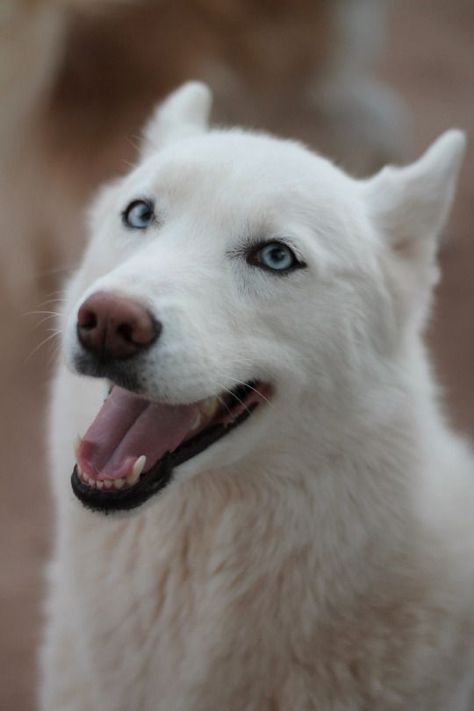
{"points": [[275, 257], [139, 214]]}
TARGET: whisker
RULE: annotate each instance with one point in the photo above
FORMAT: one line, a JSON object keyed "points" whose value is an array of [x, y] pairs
{"points": [[48, 316], [40, 313], [43, 320], [234, 396], [223, 403], [54, 355], [241, 382], [134, 140], [53, 298], [55, 334]]}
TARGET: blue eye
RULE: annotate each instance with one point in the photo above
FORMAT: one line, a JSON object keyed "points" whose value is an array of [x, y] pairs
{"points": [[139, 215], [275, 257]]}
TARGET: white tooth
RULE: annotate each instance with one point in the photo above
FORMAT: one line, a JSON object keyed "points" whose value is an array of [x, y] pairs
{"points": [[138, 467], [107, 483], [196, 422], [118, 483], [77, 444], [99, 484], [209, 406]]}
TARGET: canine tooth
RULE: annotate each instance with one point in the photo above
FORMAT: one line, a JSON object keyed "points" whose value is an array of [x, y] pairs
{"points": [[210, 406], [107, 483], [118, 483], [138, 467], [131, 479], [196, 422]]}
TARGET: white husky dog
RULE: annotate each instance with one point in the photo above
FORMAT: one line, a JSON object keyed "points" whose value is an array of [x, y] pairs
{"points": [[301, 527]]}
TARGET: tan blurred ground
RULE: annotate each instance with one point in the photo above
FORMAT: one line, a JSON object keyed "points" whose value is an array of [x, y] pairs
{"points": [[430, 60]]}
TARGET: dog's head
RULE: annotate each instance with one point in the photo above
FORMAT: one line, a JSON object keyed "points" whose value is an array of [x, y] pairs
{"points": [[238, 287]]}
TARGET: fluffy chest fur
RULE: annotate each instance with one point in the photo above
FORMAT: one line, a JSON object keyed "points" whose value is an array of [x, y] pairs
{"points": [[229, 605]]}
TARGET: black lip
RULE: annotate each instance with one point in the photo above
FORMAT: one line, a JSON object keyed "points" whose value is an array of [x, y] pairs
{"points": [[158, 477], [119, 372]]}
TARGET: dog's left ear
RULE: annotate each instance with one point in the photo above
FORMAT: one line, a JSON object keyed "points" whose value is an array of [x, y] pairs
{"points": [[183, 113], [411, 204], [409, 207]]}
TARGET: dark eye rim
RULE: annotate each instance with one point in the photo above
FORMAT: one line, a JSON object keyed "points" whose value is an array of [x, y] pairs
{"points": [[252, 257], [138, 201]]}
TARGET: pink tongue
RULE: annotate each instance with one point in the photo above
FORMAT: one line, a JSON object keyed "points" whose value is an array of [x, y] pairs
{"points": [[127, 427]]}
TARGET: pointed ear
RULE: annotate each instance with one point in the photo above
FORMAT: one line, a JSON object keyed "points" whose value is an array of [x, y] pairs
{"points": [[183, 113], [409, 207]]}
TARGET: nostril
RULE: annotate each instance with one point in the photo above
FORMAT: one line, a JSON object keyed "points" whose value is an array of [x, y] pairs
{"points": [[141, 330], [87, 319], [126, 331]]}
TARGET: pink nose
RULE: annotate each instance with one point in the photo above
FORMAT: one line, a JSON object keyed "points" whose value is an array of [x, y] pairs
{"points": [[113, 326]]}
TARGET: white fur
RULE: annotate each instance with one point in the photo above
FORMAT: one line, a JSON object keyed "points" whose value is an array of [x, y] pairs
{"points": [[321, 555]]}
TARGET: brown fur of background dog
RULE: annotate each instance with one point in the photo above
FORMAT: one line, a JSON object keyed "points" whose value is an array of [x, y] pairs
{"points": [[80, 78]]}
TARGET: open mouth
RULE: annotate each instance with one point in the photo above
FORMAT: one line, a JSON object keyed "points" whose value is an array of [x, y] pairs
{"points": [[129, 452]]}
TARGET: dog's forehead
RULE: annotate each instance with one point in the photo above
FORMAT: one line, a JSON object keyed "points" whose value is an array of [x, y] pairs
{"points": [[237, 168], [231, 184]]}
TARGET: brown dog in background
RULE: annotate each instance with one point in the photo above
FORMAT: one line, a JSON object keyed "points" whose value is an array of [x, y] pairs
{"points": [[78, 78]]}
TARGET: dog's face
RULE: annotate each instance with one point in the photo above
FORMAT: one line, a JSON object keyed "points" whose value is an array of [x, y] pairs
{"points": [[233, 281]]}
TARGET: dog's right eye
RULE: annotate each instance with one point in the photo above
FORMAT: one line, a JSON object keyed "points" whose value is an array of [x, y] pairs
{"points": [[139, 215]]}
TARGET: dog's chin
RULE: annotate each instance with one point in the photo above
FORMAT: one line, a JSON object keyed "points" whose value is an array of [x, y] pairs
{"points": [[112, 475]]}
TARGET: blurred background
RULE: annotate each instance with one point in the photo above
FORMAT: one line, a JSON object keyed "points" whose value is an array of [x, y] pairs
{"points": [[364, 81]]}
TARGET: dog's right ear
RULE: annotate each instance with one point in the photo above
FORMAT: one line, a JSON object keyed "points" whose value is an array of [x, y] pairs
{"points": [[183, 113]]}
